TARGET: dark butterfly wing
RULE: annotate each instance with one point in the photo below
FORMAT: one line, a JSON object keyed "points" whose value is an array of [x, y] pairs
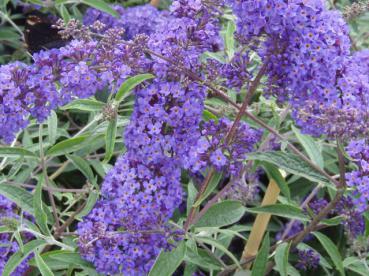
{"points": [[39, 33]]}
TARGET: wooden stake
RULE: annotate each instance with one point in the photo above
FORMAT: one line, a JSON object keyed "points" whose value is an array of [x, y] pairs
{"points": [[261, 223], [155, 3]]}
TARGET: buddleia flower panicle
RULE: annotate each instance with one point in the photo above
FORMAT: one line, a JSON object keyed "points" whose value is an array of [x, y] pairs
{"points": [[143, 189], [304, 46]]}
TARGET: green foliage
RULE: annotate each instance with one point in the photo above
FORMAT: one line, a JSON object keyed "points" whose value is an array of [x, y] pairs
{"points": [[222, 214], [168, 262], [260, 265], [281, 258], [81, 143]]}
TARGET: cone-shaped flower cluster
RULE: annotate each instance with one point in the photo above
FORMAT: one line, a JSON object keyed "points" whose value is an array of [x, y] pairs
{"points": [[143, 189]]}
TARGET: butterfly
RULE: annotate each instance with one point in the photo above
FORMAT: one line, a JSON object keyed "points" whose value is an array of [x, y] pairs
{"points": [[40, 34]]}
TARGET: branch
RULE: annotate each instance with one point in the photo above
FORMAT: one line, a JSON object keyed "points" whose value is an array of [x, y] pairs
{"points": [[51, 189], [229, 137]]}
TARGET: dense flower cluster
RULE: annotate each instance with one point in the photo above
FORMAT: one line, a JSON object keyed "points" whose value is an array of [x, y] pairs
{"points": [[308, 259], [353, 220], [143, 19], [143, 189], [20, 98], [8, 212], [303, 45], [212, 149], [58, 76], [346, 116], [358, 180]]}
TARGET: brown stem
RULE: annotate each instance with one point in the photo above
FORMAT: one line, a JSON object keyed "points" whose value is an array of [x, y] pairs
{"points": [[321, 215], [52, 189], [204, 185], [60, 170], [223, 191], [308, 199], [69, 221], [255, 83], [341, 164], [340, 191], [60, 231]]}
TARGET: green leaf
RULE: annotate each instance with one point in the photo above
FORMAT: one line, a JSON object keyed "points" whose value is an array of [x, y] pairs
{"points": [[229, 39], [281, 258], [40, 215], [225, 232], [290, 163], [356, 265], [212, 185], [191, 196], [110, 138], [19, 196], [18, 257], [332, 251], [84, 167], [85, 105], [222, 214], [130, 84], [18, 237], [66, 146], [102, 6], [8, 34], [293, 271], [15, 152], [281, 210], [332, 221], [219, 246], [207, 116], [217, 56], [190, 270], [202, 259], [61, 259], [273, 173], [91, 201], [310, 147], [52, 127], [168, 262], [5, 229], [64, 13], [42, 266], [259, 266]]}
